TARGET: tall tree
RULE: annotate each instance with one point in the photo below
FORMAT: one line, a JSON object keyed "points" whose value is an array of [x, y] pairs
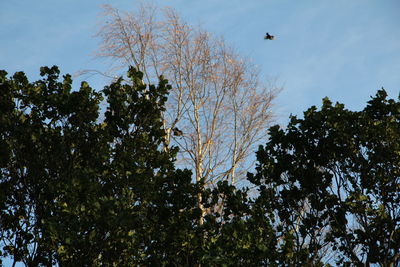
{"points": [[218, 110], [333, 179], [78, 190]]}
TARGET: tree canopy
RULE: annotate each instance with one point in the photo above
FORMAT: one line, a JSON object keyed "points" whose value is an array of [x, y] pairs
{"points": [[82, 189], [85, 181], [332, 179]]}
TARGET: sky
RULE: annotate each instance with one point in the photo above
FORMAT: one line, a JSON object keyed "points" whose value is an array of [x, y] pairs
{"points": [[342, 49]]}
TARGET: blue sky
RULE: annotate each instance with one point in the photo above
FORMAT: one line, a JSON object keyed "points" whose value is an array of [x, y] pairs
{"points": [[342, 49]]}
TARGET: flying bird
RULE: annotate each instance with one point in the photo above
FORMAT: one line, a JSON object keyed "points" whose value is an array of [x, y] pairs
{"points": [[269, 37]]}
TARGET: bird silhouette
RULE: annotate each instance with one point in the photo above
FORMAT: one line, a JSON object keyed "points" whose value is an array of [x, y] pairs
{"points": [[177, 132], [269, 37]]}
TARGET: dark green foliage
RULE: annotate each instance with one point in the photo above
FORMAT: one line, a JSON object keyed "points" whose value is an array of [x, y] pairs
{"points": [[243, 236], [85, 181], [333, 180], [81, 191]]}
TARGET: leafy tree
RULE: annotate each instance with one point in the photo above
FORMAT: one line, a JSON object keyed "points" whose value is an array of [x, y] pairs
{"points": [[82, 185], [88, 186], [240, 234], [82, 189], [332, 180]]}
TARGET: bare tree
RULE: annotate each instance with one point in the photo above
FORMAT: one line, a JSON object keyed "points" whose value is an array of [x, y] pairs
{"points": [[217, 111]]}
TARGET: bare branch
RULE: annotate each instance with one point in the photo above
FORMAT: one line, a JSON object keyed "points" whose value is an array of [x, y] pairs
{"points": [[217, 100]]}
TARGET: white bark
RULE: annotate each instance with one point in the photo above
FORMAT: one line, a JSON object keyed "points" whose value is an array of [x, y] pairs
{"points": [[217, 100]]}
